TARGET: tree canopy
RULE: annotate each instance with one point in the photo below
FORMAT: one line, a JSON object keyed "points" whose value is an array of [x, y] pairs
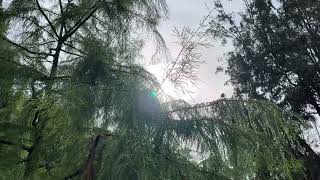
{"points": [[275, 57], [75, 104]]}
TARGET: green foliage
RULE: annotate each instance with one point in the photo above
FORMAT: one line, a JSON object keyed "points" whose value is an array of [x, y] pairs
{"points": [[74, 104], [239, 137], [275, 57], [275, 54]]}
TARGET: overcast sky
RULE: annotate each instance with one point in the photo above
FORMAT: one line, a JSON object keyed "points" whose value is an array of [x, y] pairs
{"points": [[190, 13]]}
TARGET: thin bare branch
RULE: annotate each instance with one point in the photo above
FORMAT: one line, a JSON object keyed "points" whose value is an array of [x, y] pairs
{"points": [[25, 48], [78, 24], [71, 46], [47, 18], [75, 54]]}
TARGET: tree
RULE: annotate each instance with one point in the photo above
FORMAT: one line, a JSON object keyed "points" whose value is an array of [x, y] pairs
{"points": [[276, 57], [57, 56], [75, 104]]}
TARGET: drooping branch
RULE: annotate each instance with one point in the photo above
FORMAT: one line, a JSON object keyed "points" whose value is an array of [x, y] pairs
{"points": [[202, 105], [185, 46]]}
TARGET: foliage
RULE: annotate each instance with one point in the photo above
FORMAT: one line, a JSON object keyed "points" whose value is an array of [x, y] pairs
{"points": [[275, 56], [74, 104]]}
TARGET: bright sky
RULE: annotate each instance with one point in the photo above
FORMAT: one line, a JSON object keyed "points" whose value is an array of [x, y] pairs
{"points": [[210, 85]]}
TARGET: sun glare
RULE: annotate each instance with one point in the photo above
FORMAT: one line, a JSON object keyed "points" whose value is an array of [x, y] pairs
{"points": [[167, 88]]}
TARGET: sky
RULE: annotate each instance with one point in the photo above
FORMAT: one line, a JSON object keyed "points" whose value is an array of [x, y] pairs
{"points": [[210, 85], [189, 13]]}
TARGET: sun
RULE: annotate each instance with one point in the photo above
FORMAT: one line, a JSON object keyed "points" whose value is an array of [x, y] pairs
{"points": [[167, 87]]}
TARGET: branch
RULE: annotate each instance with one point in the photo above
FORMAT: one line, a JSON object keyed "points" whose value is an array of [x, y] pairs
{"points": [[46, 17], [68, 52], [79, 23], [24, 48], [202, 105], [43, 43], [185, 46], [89, 162], [71, 46], [309, 152], [62, 19], [61, 7], [27, 67], [15, 144], [38, 25]]}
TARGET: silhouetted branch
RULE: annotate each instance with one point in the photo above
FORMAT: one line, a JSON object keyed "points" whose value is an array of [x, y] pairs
{"points": [[24, 48], [80, 23], [46, 17]]}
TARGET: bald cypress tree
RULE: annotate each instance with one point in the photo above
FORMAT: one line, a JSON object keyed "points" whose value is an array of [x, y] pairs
{"points": [[76, 105], [59, 55]]}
